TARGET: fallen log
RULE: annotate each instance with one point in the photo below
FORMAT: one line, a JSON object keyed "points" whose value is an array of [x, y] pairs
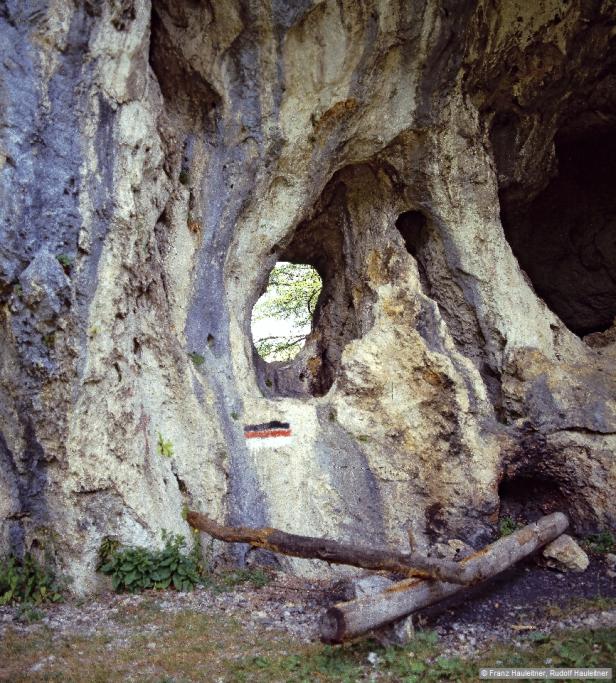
{"points": [[347, 620], [408, 564]]}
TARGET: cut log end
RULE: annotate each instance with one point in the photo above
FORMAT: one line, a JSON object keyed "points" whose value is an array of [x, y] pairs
{"points": [[332, 626]]}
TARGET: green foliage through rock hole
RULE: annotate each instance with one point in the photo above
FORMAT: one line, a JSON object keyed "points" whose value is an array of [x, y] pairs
{"points": [[282, 317], [27, 581]]}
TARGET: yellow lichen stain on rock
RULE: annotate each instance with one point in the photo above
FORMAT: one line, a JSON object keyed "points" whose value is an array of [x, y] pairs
{"points": [[434, 378], [376, 268], [337, 113], [393, 308], [314, 365]]}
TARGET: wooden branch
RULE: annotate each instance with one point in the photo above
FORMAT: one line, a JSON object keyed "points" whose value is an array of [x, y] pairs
{"points": [[412, 564], [347, 620]]}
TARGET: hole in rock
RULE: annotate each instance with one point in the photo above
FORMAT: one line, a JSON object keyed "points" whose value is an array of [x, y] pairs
{"points": [[331, 248], [412, 227], [282, 317], [525, 498], [565, 237]]}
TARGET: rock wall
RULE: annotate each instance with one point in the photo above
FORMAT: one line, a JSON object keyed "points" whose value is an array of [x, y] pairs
{"points": [[446, 167]]}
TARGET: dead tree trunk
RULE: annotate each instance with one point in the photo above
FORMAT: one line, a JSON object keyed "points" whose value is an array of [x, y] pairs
{"points": [[408, 564], [346, 620]]}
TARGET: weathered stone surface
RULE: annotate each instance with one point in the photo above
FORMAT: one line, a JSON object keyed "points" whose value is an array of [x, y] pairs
{"points": [[454, 549], [421, 156], [565, 553]]}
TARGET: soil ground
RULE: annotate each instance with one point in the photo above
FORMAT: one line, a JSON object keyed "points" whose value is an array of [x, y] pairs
{"points": [[529, 614]]}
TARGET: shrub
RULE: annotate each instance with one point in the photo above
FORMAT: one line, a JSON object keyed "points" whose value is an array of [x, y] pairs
{"points": [[507, 526], [26, 581], [135, 569], [603, 542]]}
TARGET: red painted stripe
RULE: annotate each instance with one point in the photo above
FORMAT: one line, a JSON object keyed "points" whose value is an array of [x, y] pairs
{"points": [[267, 433]]}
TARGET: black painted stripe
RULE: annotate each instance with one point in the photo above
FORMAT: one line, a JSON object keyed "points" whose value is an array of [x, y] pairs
{"points": [[274, 424]]}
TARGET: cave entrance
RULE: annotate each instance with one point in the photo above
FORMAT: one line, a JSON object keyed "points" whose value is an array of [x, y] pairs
{"points": [[283, 316], [565, 237], [527, 497]]}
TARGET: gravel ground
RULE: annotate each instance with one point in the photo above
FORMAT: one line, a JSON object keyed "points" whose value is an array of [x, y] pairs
{"points": [[528, 598]]}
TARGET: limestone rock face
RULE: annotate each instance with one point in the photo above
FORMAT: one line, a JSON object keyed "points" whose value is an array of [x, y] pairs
{"points": [[448, 169]]}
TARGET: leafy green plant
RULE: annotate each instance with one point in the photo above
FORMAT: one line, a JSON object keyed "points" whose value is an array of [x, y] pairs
{"points": [[27, 581], [164, 447], [196, 358], [507, 526], [603, 542], [106, 551], [66, 261], [135, 569]]}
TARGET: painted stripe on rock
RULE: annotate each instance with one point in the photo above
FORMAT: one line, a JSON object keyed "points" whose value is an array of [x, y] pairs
{"points": [[267, 434], [266, 426]]}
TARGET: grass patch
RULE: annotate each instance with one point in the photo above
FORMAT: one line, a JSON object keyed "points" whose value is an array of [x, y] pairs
{"points": [[154, 644], [603, 542], [422, 660]]}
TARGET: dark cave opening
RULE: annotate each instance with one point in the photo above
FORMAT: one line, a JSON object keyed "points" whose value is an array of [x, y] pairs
{"points": [[565, 237], [527, 497], [415, 231], [412, 225]]}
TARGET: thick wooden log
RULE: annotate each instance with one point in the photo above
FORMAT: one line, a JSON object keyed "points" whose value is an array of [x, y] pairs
{"points": [[408, 564], [347, 620]]}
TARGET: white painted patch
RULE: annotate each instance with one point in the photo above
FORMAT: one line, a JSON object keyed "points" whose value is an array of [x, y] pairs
{"points": [[269, 442]]}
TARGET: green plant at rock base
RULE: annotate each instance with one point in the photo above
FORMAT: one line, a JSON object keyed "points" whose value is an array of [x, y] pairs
{"points": [[135, 569], [26, 581], [108, 547], [507, 526], [164, 447], [603, 542], [196, 358]]}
